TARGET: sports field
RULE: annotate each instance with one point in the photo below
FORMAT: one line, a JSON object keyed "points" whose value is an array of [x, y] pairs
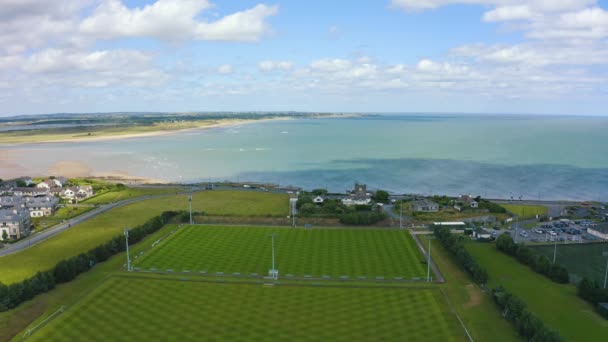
{"points": [[581, 260], [299, 252], [148, 309], [526, 211], [87, 235]]}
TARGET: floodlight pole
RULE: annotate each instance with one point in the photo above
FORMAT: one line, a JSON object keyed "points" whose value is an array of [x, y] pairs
{"points": [[554, 250], [401, 215], [606, 274], [190, 205], [126, 232], [274, 271], [428, 264]]}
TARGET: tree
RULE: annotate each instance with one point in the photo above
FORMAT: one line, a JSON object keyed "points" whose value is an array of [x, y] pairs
{"points": [[381, 196], [319, 192], [4, 235], [506, 244], [20, 183]]}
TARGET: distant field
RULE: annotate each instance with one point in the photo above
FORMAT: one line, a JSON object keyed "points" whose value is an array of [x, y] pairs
{"points": [[85, 236], [115, 196], [64, 213], [526, 211], [556, 304], [299, 252], [581, 260], [144, 309]]}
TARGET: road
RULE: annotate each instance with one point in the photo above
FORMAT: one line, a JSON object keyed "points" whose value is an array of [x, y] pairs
{"points": [[48, 233]]}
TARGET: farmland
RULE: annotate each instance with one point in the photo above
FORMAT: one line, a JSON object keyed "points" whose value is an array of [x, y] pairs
{"points": [[526, 211], [318, 252]]}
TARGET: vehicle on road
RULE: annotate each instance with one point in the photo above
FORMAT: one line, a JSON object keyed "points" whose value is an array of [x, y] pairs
{"points": [[539, 231]]}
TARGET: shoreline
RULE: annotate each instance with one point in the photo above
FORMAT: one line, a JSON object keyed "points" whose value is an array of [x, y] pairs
{"points": [[222, 124]]}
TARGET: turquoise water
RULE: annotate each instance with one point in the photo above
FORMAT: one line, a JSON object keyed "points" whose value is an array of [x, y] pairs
{"points": [[493, 156]]}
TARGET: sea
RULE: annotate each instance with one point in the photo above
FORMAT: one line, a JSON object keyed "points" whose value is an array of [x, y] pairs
{"points": [[494, 156]]}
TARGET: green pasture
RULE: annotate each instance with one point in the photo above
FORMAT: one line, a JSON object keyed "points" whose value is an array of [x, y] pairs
{"points": [[87, 235], [526, 211], [556, 304], [299, 252], [127, 193], [144, 309]]}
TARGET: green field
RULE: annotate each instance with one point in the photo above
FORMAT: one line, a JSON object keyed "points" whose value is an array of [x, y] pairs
{"points": [[146, 309], [479, 314], [64, 213], [556, 304], [581, 260], [299, 252], [87, 235], [115, 196], [526, 211]]}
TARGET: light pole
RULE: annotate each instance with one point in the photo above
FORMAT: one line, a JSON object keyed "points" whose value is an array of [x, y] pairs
{"points": [[401, 214], [190, 205], [274, 273], [127, 244], [428, 264], [554, 250], [606, 275]]}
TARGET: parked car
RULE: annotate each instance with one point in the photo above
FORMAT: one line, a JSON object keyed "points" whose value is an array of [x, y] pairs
{"points": [[553, 233], [539, 231]]}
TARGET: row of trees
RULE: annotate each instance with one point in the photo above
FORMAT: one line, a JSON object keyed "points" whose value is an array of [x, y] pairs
{"points": [[526, 256], [516, 312], [513, 309], [14, 294], [591, 291], [455, 246]]}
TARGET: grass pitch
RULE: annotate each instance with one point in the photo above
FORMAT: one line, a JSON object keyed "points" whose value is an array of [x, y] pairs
{"points": [[581, 260], [147, 309], [526, 211], [87, 235], [299, 252]]}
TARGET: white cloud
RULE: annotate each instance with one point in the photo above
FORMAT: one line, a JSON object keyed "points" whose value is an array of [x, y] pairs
{"points": [[225, 69], [267, 66], [507, 13], [330, 64], [175, 20]]}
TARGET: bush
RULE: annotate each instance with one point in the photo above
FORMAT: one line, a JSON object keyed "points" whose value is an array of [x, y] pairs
{"points": [[590, 291], [362, 218]]}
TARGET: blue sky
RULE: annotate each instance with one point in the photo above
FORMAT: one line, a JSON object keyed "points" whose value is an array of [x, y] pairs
{"points": [[481, 56]]}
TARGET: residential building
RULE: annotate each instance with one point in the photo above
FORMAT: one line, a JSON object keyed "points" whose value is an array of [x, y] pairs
{"points": [[359, 196], [41, 206], [474, 204], [318, 200], [424, 205], [47, 184], [15, 191], [481, 234], [12, 202], [14, 223]]}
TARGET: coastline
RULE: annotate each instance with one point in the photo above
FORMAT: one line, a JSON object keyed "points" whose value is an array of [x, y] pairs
{"points": [[222, 124]]}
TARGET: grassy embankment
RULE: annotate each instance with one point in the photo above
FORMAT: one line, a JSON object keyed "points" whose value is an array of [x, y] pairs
{"points": [[526, 212], [479, 314], [557, 305], [87, 235], [127, 193]]}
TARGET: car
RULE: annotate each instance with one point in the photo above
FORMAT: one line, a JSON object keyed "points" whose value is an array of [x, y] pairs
{"points": [[523, 233], [547, 226], [539, 231], [553, 233]]}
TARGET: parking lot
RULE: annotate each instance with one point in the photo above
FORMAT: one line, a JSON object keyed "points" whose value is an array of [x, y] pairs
{"points": [[566, 232]]}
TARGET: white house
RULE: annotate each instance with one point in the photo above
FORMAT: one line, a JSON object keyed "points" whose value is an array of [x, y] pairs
{"points": [[474, 204], [481, 233], [318, 200]]}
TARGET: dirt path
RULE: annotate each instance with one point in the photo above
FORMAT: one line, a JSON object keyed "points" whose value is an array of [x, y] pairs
{"points": [[474, 296]]}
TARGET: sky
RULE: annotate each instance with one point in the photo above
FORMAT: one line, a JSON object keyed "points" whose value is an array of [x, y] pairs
{"points": [[465, 56]]}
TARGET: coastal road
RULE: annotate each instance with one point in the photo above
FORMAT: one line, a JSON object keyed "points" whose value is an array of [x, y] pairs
{"points": [[48, 233]]}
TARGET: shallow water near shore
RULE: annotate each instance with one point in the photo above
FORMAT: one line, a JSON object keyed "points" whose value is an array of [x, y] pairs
{"points": [[493, 156]]}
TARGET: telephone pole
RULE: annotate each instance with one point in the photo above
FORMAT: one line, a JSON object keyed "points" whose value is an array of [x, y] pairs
{"points": [[428, 264], [190, 205], [401, 215]]}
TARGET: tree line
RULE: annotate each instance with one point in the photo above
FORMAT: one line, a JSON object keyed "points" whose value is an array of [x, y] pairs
{"points": [[66, 270], [539, 263], [513, 308], [591, 291]]}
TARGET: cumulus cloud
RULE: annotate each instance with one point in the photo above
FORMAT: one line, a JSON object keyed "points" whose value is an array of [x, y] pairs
{"points": [[175, 20], [267, 66]]}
